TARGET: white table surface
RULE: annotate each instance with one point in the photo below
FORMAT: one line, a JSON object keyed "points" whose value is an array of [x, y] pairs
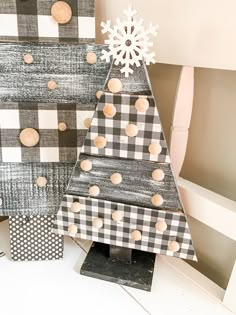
{"points": [[56, 287]]}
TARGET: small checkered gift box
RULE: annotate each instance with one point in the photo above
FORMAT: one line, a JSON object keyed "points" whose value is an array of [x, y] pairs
{"points": [[34, 175]]}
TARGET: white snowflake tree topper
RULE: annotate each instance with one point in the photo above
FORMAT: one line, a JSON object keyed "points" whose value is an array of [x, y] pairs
{"points": [[129, 42]]}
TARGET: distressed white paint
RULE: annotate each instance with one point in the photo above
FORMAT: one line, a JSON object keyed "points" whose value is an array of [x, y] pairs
{"points": [[181, 118], [230, 294], [208, 207], [174, 287]]}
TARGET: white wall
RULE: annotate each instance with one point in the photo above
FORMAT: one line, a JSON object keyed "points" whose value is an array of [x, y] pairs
{"points": [[199, 33]]}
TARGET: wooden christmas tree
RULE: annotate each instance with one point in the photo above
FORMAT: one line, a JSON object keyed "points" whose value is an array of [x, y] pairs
{"points": [[122, 191]]}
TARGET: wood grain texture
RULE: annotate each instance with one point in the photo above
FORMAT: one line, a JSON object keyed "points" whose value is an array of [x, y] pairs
{"points": [[137, 187], [137, 83], [77, 81], [20, 194]]}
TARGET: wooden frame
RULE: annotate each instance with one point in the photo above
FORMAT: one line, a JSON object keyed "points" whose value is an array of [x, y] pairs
{"points": [[206, 206]]}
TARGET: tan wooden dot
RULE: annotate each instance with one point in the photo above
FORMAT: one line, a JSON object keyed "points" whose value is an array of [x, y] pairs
{"points": [[114, 85], [91, 58], [99, 94], [157, 200], [117, 215], [109, 110], [62, 126], [72, 229], [52, 85], [161, 226], [75, 207], [154, 149], [116, 178], [131, 130], [98, 223], [158, 175], [61, 12], [86, 165], [41, 181], [94, 191], [28, 58], [142, 105], [29, 137], [136, 235], [174, 246], [100, 142], [87, 122]]}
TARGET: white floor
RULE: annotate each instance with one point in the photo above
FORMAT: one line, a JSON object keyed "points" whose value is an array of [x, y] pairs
{"points": [[57, 288]]}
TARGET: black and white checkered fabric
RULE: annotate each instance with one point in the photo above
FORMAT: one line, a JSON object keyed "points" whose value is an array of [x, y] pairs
{"points": [[54, 145], [113, 129], [32, 20], [31, 239], [119, 233]]}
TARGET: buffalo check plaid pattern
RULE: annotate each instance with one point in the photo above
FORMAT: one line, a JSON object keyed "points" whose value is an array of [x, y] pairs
{"points": [[32, 20], [119, 233], [54, 145], [113, 129]]}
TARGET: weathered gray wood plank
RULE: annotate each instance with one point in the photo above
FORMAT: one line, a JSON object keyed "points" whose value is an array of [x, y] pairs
{"points": [[21, 196], [137, 187], [77, 80]]}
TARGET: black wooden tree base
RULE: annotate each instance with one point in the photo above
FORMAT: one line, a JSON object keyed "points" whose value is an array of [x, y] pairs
{"points": [[100, 263]]}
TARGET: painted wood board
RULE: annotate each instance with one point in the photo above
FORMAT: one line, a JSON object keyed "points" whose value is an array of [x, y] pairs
{"points": [[168, 283], [77, 81], [32, 20], [209, 208], [137, 187], [21, 196]]}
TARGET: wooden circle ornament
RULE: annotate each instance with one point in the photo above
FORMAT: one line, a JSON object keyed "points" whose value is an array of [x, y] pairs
{"points": [[116, 178], [52, 85], [114, 85], [87, 122], [62, 126], [158, 175], [72, 229], [131, 130], [75, 207], [41, 181], [61, 12], [91, 58], [94, 191], [174, 246], [117, 215], [86, 165], [98, 223], [100, 142], [99, 94], [29, 137], [157, 200], [142, 105], [136, 235], [28, 58], [109, 110], [161, 226], [154, 148]]}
